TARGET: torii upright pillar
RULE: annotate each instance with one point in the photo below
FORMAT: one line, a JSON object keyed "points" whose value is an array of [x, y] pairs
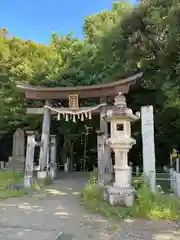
{"points": [[44, 148]]}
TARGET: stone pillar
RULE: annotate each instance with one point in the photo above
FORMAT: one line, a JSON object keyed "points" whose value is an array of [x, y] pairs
{"points": [[53, 165], [100, 154], [177, 182], [148, 144], [173, 179], [44, 148], [29, 164], [177, 164], [2, 165], [106, 161]]}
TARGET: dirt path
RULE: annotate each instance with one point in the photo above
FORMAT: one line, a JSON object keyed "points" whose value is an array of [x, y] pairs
{"points": [[44, 215]]}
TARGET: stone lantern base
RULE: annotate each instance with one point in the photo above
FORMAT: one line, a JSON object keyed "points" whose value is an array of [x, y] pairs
{"points": [[119, 195], [121, 192]]}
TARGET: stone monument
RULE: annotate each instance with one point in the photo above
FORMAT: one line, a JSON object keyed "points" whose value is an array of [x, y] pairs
{"points": [[149, 159], [29, 165], [18, 153], [120, 118]]}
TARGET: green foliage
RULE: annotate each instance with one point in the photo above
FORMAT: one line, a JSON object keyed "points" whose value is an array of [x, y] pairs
{"points": [[94, 176], [157, 206], [7, 178], [137, 182], [98, 25], [117, 43], [92, 192], [11, 177], [147, 205]]}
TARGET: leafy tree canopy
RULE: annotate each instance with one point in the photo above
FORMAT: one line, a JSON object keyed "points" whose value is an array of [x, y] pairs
{"points": [[117, 43]]}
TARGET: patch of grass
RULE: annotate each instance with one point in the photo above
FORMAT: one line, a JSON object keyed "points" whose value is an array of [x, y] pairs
{"points": [[92, 199], [147, 205], [7, 178], [11, 193], [156, 206]]}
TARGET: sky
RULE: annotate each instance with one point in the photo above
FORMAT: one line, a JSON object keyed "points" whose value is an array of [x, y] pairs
{"points": [[37, 19]]}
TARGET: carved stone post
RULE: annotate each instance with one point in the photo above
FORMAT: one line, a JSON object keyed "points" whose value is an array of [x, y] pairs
{"points": [[100, 155], [53, 166], [44, 148], [29, 164], [106, 156]]}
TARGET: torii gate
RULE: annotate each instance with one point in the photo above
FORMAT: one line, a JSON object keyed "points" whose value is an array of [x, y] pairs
{"points": [[101, 91]]}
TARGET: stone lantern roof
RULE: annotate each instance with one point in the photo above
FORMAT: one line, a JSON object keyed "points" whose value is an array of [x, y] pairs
{"points": [[120, 110]]}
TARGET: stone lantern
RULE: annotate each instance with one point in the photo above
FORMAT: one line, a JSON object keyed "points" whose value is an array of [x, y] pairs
{"points": [[120, 118]]}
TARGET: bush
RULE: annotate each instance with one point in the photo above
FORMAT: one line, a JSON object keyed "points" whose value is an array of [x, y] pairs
{"points": [[156, 206], [147, 204], [137, 182], [94, 176], [92, 191]]}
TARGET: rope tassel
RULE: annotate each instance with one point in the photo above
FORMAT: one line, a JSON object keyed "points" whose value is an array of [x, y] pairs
{"points": [[82, 117], [90, 115], [67, 117], [74, 118], [58, 117]]}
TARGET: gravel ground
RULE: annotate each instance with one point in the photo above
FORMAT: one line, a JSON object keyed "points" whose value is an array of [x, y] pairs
{"points": [[44, 215]]}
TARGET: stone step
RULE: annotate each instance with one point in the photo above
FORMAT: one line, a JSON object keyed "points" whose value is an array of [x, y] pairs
{"points": [[15, 165]]}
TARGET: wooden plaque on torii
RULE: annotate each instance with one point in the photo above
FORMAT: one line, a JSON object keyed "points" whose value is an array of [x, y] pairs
{"points": [[73, 101]]}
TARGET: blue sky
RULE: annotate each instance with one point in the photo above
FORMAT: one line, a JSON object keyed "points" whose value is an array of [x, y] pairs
{"points": [[37, 19]]}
